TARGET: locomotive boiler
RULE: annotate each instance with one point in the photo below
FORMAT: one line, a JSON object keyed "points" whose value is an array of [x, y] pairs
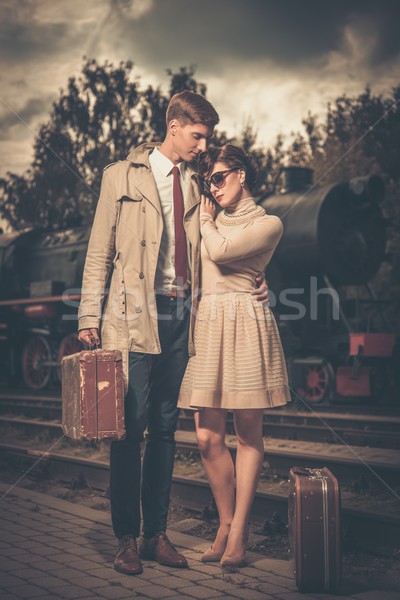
{"points": [[334, 236]]}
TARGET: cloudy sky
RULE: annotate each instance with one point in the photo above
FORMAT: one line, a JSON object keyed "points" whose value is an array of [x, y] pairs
{"points": [[271, 60]]}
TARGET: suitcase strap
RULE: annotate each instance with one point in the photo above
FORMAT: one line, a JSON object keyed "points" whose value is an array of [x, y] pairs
{"points": [[317, 474]]}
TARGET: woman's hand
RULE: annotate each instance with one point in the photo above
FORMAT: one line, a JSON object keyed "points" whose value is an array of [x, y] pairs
{"points": [[207, 206]]}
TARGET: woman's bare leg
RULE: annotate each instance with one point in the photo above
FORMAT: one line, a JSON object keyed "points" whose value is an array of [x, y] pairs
{"points": [[218, 465], [249, 460]]}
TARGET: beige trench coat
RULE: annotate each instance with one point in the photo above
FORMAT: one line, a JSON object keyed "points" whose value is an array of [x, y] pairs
{"points": [[125, 241]]}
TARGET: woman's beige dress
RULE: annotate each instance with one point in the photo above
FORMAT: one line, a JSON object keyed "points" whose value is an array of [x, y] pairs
{"points": [[239, 362]]}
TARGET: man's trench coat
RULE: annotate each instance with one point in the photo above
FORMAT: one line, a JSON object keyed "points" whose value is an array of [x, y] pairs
{"points": [[125, 241]]}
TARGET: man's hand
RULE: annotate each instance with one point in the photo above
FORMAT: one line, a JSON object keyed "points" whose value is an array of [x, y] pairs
{"points": [[207, 206], [261, 292], [89, 337]]}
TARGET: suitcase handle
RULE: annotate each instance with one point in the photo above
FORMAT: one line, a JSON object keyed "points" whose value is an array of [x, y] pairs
{"points": [[309, 472], [94, 346]]}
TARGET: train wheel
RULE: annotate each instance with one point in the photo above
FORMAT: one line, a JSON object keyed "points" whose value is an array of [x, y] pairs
{"points": [[318, 382], [36, 362], [68, 345]]}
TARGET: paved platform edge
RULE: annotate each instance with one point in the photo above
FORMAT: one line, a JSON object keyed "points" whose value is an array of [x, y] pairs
{"points": [[98, 516], [259, 565]]}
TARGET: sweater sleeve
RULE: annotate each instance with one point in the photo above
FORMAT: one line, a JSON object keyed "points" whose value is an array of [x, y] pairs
{"points": [[261, 235]]}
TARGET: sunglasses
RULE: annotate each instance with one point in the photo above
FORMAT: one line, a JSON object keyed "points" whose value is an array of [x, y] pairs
{"points": [[218, 179]]}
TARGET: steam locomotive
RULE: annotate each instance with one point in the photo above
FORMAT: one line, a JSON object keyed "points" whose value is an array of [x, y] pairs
{"points": [[334, 236]]}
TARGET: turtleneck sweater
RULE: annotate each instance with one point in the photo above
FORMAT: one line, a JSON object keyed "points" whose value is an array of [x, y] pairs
{"points": [[243, 206], [236, 246], [239, 361]]}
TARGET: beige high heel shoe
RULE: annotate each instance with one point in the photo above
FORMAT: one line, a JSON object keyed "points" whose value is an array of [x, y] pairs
{"points": [[233, 562], [211, 555]]}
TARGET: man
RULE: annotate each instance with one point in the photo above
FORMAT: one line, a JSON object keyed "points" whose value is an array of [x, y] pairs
{"points": [[146, 227]]}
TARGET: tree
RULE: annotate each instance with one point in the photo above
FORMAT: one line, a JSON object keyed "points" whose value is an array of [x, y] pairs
{"points": [[360, 136], [105, 112], [96, 120]]}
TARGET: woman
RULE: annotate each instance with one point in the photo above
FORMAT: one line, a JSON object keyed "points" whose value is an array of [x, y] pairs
{"points": [[239, 363]]}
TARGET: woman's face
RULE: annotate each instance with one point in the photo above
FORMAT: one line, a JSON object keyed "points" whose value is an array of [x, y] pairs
{"points": [[226, 188]]}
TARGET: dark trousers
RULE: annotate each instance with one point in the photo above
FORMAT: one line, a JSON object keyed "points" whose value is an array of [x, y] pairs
{"points": [[154, 383]]}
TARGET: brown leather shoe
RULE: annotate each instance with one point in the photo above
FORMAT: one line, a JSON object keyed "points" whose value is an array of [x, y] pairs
{"points": [[159, 548], [127, 559]]}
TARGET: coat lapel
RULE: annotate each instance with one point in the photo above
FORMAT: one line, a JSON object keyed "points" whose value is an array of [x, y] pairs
{"points": [[143, 180], [146, 185], [191, 217], [141, 175], [193, 196]]}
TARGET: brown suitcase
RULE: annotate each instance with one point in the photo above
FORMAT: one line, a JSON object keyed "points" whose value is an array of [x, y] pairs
{"points": [[315, 529], [93, 395]]}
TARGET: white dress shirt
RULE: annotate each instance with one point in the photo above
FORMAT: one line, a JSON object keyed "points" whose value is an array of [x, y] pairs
{"points": [[161, 166]]}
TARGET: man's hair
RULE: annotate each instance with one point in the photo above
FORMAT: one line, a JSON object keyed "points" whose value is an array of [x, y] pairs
{"points": [[191, 108]]}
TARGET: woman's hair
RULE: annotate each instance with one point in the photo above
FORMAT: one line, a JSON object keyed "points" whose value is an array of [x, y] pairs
{"points": [[191, 108], [234, 158]]}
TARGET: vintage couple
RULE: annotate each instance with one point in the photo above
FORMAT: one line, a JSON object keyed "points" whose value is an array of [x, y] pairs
{"points": [[188, 309]]}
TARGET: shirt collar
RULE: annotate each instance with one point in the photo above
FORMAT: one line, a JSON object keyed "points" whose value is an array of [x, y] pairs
{"points": [[164, 165]]}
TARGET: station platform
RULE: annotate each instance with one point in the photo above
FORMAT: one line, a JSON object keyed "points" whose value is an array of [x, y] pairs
{"points": [[52, 549]]}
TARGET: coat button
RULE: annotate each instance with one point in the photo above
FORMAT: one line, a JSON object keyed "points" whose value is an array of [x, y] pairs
{"points": [[143, 209], [138, 309], [141, 275], [143, 242]]}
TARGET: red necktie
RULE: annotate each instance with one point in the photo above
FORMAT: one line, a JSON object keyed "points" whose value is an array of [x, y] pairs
{"points": [[180, 236]]}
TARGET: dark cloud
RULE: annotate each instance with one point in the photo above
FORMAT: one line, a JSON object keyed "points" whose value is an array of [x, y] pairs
{"points": [[210, 33], [24, 36], [289, 33], [336, 46], [32, 108], [383, 24]]}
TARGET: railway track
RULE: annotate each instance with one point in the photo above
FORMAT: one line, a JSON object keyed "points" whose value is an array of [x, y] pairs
{"points": [[349, 463], [31, 405], [314, 425], [194, 494], [345, 406]]}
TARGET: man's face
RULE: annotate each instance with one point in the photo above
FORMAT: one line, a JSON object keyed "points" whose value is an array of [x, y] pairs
{"points": [[189, 140]]}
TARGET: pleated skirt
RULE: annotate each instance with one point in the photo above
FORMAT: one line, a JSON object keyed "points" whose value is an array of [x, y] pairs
{"points": [[239, 361]]}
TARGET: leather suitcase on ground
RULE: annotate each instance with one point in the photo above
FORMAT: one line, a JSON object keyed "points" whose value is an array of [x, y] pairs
{"points": [[93, 395], [315, 529]]}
